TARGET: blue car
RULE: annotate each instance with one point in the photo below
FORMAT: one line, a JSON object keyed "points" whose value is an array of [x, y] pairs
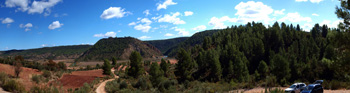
{"points": [[313, 88]]}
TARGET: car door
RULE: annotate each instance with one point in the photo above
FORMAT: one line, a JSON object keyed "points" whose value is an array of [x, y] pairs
{"points": [[297, 89]]}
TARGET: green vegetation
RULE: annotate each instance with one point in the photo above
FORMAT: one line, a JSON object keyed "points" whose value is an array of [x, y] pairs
{"points": [[9, 84], [48, 52], [107, 67], [165, 45], [136, 67], [120, 48]]}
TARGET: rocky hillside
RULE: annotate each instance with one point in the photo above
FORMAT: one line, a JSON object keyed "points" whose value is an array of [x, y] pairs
{"points": [[58, 52], [120, 48]]}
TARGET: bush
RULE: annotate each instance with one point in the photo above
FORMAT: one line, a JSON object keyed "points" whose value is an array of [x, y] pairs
{"points": [[142, 84], [3, 78], [112, 86], [335, 84], [13, 86], [46, 73], [123, 85], [37, 78]]}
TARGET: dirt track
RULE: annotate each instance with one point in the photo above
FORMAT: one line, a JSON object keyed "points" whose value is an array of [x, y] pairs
{"points": [[101, 87]]}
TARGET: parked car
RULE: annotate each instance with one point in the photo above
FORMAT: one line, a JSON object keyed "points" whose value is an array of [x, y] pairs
{"points": [[296, 88], [318, 82], [313, 88]]}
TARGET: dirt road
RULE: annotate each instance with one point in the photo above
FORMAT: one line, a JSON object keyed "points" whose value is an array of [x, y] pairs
{"points": [[101, 87]]}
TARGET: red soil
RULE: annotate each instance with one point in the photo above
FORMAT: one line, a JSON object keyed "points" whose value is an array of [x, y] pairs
{"points": [[25, 75], [77, 78]]}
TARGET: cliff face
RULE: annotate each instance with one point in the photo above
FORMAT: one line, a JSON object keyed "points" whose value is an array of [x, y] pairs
{"points": [[120, 48]]}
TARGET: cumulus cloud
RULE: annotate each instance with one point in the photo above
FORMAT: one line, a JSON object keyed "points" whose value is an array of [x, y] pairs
{"points": [[307, 27], [188, 13], [181, 31], [44, 45], [295, 17], [312, 1], [201, 27], [7, 21], [54, 25], [218, 23], [168, 34], [253, 11], [314, 14], [145, 27], [331, 24], [315, 1], [34, 7], [114, 12], [278, 12], [300, 0], [165, 4], [144, 37], [146, 12], [26, 26], [172, 19], [108, 34]]}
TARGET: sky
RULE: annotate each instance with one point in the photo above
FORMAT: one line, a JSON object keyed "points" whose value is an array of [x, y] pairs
{"points": [[27, 24]]}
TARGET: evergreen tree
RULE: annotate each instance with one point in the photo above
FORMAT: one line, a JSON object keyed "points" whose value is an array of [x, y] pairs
{"points": [[156, 74], [263, 69], [164, 66], [136, 68], [215, 67], [185, 66], [280, 67], [114, 61], [107, 67]]}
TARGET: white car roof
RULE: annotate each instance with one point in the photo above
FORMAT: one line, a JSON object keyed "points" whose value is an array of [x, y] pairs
{"points": [[298, 83]]}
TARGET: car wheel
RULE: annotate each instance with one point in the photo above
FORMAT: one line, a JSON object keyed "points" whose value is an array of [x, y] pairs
{"points": [[292, 92]]}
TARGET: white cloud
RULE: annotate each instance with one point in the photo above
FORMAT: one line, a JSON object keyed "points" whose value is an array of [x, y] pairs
{"points": [[54, 25], [306, 27], [201, 27], [108, 34], [331, 24], [132, 23], [312, 1], [40, 6], [253, 11], [218, 23], [279, 12], [114, 12], [44, 45], [314, 14], [23, 4], [145, 27], [34, 7], [168, 34], [300, 0], [146, 12], [181, 31], [7, 21], [315, 1], [144, 37], [172, 19], [188, 13], [26, 26], [165, 4], [295, 17]]}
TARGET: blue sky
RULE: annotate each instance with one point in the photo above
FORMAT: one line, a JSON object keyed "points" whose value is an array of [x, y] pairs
{"points": [[29, 24]]}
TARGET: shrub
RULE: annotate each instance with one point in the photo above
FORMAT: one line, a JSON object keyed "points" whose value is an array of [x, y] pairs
{"points": [[123, 85], [46, 73], [37, 78], [13, 86], [3, 78], [112, 86], [142, 84]]}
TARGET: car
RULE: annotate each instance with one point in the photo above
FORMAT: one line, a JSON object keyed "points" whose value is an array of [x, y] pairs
{"points": [[295, 88], [318, 82], [313, 88]]}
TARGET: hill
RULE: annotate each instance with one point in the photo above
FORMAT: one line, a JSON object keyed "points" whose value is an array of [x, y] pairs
{"points": [[195, 39], [58, 52], [165, 45], [120, 48]]}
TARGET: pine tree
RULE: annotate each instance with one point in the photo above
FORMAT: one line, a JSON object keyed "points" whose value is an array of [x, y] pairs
{"points": [[185, 66], [136, 68], [114, 61], [156, 74], [164, 66], [106, 67]]}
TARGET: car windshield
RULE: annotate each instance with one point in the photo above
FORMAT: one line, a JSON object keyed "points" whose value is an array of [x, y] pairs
{"points": [[309, 88], [293, 86]]}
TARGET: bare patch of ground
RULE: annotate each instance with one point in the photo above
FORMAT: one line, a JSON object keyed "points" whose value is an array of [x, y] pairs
{"points": [[77, 78]]}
